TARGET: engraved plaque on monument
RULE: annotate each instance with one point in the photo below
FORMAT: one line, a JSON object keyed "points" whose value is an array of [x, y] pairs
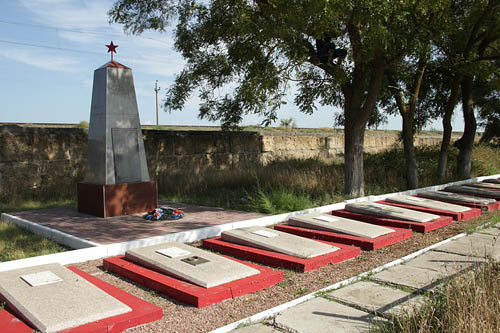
{"points": [[117, 179]]}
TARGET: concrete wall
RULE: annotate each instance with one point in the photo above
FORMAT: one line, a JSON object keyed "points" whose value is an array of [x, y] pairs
{"points": [[44, 162]]}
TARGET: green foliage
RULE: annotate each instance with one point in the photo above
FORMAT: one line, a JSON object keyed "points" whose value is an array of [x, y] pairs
{"points": [[287, 123]]}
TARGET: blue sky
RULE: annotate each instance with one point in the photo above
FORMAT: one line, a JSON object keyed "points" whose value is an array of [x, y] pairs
{"points": [[50, 48]]}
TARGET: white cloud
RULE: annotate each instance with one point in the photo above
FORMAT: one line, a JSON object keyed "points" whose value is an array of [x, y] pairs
{"points": [[41, 60]]}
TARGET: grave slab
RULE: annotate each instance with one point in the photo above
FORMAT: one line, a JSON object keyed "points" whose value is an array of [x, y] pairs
{"points": [[492, 180], [473, 191], [489, 186], [391, 222], [189, 263], [327, 222], [456, 212], [464, 200], [64, 302], [446, 263], [366, 244], [377, 298], [190, 293], [386, 211], [277, 241], [142, 312], [320, 315], [476, 245], [412, 277], [256, 328], [275, 259]]}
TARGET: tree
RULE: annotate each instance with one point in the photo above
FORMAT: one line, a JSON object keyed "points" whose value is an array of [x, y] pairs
{"points": [[469, 41], [259, 47]]}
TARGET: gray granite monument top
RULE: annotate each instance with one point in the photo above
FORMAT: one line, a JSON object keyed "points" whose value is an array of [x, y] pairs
{"points": [[391, 212], [492, 186], [190, 263], [492, 180], [328, 222], [277, 241], [426, 203], [455, 197], [115, 146], [52, 298]]}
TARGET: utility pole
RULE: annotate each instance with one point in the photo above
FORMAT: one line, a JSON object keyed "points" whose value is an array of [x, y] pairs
{"points": [[156, 91]]}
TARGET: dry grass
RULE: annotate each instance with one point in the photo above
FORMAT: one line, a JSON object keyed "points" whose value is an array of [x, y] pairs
{"points": [[469, 303]]}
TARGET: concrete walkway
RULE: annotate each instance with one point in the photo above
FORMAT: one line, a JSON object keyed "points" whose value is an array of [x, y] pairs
{"points": [[398, 289]]}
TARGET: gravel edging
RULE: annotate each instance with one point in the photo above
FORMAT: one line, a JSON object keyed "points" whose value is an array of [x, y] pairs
{"points": [[178, 317]]}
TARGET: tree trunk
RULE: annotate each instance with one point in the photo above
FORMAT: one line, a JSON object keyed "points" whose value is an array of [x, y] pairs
{"points": [[466, 142], [447, 128], [409, 150], [353, 159]]}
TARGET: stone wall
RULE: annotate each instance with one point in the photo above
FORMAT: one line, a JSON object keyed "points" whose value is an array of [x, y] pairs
{"points": [[45, 162]]}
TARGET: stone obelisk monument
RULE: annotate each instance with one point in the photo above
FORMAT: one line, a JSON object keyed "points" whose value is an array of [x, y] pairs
{"points": [[117, 179]]}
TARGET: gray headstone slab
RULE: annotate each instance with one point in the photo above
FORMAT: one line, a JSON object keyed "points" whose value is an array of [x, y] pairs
{"points": [[455, 197], [412, 277], [378, 298], [485, 185], [327, 222], [470, 190], [426, 203], [191, 264], [391, 212], [492, 180], [320, 315], [56, 305], [277, 241]]}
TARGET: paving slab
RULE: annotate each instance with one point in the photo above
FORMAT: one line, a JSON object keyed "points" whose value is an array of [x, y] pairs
{"points": [[377, 298], [256, 328], [328, 222], [189, 263], [457, 198], [52, 307], [476, 245], [474, 191], [447, 263], [494, 231], [427, 203], [386, 211], [412, 277], [320, 315], [277, 241]]}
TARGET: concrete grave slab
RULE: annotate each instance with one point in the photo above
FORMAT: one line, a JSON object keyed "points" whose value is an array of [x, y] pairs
{"points": [[447, 263], [377, 298], [397, 235], [327, 222], [386, 211], [142, 312], [489, 186], [474, 191], [275, 259], [190, 293], [462, 199], [189, 263], [492, 180], [476, 245], [256, 328], [412, 277], [66, 302], [277, 241], [457, 212], [320, 315], [393, 222]]}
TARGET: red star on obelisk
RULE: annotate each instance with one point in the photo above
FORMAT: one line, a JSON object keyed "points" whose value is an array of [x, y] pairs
{"points": [[111, 48]]}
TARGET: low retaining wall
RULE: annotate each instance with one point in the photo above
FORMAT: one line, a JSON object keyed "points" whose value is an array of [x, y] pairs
{"points": [[47, 162]]}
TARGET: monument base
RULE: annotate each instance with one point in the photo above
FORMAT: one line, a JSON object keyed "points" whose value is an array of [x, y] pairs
{"points": [[117, 199]]}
